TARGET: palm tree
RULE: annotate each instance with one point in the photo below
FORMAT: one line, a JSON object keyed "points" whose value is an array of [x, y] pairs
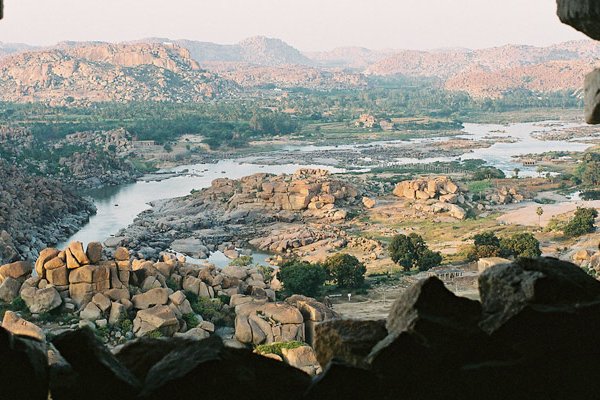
{"points": [[516, 172], [539, 213]]}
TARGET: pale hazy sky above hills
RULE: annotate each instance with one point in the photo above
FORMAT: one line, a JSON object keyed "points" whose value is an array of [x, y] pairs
{"points": [[305, 24]]}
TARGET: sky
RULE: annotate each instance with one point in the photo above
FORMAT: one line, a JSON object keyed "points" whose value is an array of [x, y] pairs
{"points": [[305, 24]]}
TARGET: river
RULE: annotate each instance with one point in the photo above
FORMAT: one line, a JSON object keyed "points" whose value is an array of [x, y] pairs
{"points": [[118, 206]]}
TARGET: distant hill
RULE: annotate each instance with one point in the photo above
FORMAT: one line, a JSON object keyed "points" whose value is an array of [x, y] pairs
{"points": [[7, 49], [257, 50], [162, 69], [490, 72], [107, 72]]}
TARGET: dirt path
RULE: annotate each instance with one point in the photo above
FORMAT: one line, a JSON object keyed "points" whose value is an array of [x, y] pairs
{"points": [[527, 215]]}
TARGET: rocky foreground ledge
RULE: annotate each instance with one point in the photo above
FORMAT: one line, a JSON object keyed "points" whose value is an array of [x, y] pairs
{"points": [[533, 335]]}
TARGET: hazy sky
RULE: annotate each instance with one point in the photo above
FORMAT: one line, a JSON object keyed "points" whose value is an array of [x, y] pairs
{"points": [[305, 24]]}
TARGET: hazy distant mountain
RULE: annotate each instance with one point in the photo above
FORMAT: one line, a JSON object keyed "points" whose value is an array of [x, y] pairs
{"points": [[107, 72], [257, 50], [12, 48], [348, 57]]}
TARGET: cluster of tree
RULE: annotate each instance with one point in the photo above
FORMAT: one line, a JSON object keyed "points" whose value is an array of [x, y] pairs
{"points": [[582, 222], [589, 169], [487, 244], [302, 277], [412, 252]]}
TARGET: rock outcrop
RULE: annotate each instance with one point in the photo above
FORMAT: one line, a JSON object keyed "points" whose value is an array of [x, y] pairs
{"points": [[36, 212], [88, 73], [435, 195]]}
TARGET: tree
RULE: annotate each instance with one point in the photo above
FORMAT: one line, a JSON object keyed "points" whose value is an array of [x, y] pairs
{"points": [[486, 239], [581, 223], [516, 173], [539, 211], [345, 270], [412, 252], [589, 170], [521, 245], [301, 277]]}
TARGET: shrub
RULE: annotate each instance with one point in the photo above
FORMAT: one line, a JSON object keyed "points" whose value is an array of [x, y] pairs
{"points": [[581, 223], [521, 245], [412, 252], [345, 270], [275, 348], [301, 277], [126, 325], [191, 320], [242, 261], [213, 310]]}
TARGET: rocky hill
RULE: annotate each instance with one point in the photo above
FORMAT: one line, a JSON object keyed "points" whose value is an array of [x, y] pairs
{"points": [[491, 72], [286, 76], [257, 50], [107, 72], [36, 211], [545, 77]]}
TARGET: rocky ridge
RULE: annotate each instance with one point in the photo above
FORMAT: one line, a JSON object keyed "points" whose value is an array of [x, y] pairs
{"points": [[36, 212], [107, 72], [273, 213]]}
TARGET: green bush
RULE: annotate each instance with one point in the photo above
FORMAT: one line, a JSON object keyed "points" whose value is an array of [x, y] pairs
{"points": [[191, 320], [521, 245], [345, 270], [275, 348], [412, 252], [301, 277], [242, 261], [213, 310], [581, 223], [126, 325]]}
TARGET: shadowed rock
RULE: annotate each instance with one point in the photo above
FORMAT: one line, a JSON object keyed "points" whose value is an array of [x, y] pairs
{"points": [[101, 376], [224, 373], [347, 340], [583, 15], [24, 368]]}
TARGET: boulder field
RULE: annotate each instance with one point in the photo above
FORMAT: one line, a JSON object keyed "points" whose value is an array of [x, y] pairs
{"points": [[532, 335]]}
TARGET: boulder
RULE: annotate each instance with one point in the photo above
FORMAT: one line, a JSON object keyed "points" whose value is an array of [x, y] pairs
{"points": [[153, 297], [99, 373], [15, 270], [94, 252], [20, 327], [368, 202], [91, 312], [508, 288], [303, 358], [41, 300], [118, 313], [24, 370], [583, 15], [9, 290], [194, 333], [158, 318], [76, 249], [122, 254], [58, 276], [235, 369], [45, 256], [349, 341], [102, 301], [235, 272]]}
